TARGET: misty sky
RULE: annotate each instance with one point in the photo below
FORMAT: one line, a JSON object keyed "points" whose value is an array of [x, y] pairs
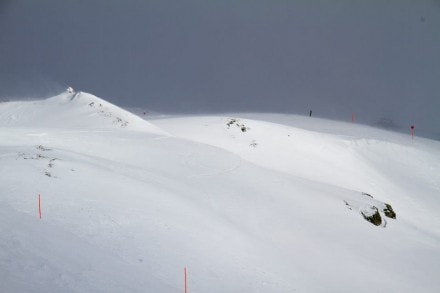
{"points": [[376, 58]]}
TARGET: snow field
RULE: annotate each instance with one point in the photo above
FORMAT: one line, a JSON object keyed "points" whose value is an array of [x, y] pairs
{"points": [[127, 207]]}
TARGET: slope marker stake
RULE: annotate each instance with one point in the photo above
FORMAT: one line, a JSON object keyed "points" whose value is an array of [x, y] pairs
{"points": [[39, 205], [185, 282]]}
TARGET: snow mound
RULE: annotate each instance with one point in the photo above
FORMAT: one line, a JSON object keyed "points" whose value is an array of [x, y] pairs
{"points": [[73, 110]]}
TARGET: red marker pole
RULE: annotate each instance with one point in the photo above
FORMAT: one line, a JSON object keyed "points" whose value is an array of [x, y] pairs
{"points": [[185, 283], [412, 132], [352, 117], [39, 205]]}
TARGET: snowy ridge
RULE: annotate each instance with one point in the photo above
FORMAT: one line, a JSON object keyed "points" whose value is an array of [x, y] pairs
{"points": [[245, 204], [77, 110]]}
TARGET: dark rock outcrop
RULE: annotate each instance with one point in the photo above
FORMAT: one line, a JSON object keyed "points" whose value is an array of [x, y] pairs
{"points": [[389, 212], [373, 218]]}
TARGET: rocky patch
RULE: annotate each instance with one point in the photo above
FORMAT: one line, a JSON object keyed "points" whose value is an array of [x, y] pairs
{"points": [[372, 210], [372, 215], [44, 158], [389, 212], [236, 122], [106, 113]]}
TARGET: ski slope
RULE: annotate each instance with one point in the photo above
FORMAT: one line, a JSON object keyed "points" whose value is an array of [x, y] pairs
{"points": [[128, 203]]}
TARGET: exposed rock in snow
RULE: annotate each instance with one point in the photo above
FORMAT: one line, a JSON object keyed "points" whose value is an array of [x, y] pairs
{"points": [[389, 212], [372, 215], [371, 209]]}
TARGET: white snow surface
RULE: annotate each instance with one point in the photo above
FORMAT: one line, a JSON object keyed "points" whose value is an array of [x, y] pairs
{"points": [[128, 204], [72, 111]]}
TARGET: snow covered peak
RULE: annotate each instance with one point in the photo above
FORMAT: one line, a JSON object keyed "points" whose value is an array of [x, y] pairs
{"points": [[70, 109]]}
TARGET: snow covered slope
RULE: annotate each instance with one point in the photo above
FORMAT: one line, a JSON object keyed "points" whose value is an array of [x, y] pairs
{"points": [[356, 157], [276, 208], [75, 111]]}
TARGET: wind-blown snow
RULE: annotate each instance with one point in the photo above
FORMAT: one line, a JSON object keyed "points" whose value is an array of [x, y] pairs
{"points": [[75, 111], [276, 208]]}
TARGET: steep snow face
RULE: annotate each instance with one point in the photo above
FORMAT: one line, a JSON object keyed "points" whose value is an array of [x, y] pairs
{"points": [[74, 110], [125, 210]]}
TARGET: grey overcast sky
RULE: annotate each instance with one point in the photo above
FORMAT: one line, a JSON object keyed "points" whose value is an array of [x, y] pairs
{"points": [[376, 58]]}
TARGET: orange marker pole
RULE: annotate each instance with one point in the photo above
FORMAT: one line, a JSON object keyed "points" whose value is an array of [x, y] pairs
{"points": [[185, 283], [39, 205], [412, 132]]}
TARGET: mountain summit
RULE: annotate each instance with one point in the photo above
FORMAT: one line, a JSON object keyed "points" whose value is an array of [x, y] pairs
{"points": [[78, 110]]}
